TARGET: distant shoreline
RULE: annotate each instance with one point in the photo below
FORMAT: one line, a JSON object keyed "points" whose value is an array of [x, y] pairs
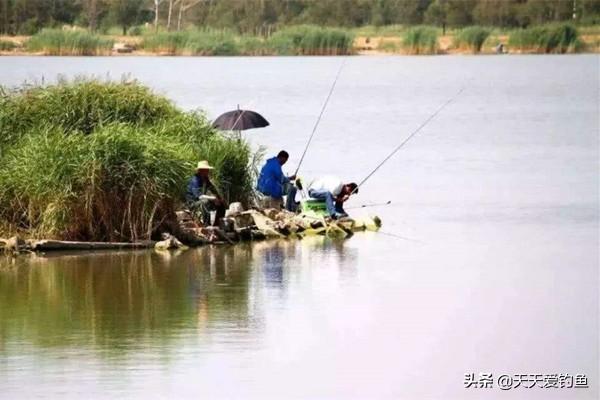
{"points": [[129, 46]]}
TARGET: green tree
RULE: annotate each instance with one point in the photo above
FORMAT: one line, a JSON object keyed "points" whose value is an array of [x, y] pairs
{"points": [[125, 13], [437, 14]]}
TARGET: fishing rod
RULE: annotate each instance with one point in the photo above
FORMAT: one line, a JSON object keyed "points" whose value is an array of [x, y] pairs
{"points": [[320, 115], [431, 117], [370, 205]]}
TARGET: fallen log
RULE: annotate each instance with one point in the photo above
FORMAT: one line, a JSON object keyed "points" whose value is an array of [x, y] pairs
{"points": [[45, 245]]}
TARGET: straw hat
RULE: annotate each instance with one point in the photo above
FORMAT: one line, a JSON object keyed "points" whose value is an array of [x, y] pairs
{"points": [[203, 165]]}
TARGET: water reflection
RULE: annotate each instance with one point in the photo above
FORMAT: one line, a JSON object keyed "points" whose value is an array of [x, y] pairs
{"points": [[124, 300], [117, 298]]}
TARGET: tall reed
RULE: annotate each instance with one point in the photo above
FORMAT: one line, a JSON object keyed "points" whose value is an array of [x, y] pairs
{"points": [[311, 40], [7, 45], [471, 38], [203, 43], [420, 40], [118, 175], [552, 38], [58, 42]]}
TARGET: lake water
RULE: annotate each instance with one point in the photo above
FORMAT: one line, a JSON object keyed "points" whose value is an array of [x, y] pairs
{"points": [[488, 261]]}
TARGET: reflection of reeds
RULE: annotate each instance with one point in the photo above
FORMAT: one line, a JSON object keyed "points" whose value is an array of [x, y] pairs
{"points": [[57, 42], [420, 40], [552, 38], [87, 160], [114, 300], [471, 38]]}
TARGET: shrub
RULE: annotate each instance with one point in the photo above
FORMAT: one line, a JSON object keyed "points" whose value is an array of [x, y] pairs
{"points": [[121, 178], [420, 40], [57, 42], [471, 38], [7, 45], [311, 40], [553, 38]]}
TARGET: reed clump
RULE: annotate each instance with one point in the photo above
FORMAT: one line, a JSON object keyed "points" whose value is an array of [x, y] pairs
{"points": [[471, 38], [57, 42], [120, 178], [202, 43], [7, 45], [311, 40], [420, 40], [552, 38]]}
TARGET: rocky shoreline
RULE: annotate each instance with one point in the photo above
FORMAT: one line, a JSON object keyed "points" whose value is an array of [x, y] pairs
{"points": [[236, 227]]}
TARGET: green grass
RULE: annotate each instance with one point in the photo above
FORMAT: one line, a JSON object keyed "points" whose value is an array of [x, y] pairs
{"points": [[7, 45], [115, 168], [202, 43], [552, 38], [57, 42], [420, 40], [311, 40], [297, 40], [471, 38]]}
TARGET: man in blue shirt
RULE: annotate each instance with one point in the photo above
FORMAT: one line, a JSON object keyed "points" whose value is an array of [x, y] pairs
{"points": [[202, 197], [272, 181]]}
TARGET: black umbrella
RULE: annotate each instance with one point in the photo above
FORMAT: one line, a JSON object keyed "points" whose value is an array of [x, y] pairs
{"points": [[240, 120]]}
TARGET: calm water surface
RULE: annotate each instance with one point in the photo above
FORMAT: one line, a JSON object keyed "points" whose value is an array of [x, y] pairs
{"points": [[488, 260]]}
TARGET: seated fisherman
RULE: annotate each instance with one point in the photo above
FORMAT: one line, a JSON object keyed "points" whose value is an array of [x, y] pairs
{"points": [[334, 192], [197, 197], [272, 182]]}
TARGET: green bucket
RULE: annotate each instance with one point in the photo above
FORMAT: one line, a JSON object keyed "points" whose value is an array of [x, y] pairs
{"points": [[315, 206]]}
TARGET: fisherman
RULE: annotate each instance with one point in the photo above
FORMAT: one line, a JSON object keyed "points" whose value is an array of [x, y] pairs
{"points": [[202, 197], [272, 183], [334, 192]]}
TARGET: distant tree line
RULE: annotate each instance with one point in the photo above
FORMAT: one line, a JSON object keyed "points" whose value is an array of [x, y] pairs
{"points": [[262, 16]]}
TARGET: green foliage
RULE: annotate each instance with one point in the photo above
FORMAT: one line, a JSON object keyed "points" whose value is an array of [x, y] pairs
{"points": [[120, 181], [311, 40], [7, 45], [260, 17], [471, 38], [58, 42], [79, 106], [206, 42], [420, 40], [296, 40], [553, 38]]}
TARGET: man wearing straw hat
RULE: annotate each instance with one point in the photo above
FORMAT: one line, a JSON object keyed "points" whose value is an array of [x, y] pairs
{"points": [[203, 198]]}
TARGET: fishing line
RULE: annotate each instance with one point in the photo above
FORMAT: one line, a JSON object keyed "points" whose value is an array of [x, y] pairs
{"points": [[320, 115], [370, 205], [432, 116]]}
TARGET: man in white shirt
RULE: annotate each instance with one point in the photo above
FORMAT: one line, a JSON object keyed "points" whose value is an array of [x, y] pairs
{"points": [[334, 192]]}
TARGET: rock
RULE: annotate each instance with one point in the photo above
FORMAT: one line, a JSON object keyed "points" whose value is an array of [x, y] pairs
{"points": [[271, 213], [183, 216], [234, 209], [265, 224], [121, 47], [15, 244], [244, 220], [171, 242], [257, 235], [215, 235]]}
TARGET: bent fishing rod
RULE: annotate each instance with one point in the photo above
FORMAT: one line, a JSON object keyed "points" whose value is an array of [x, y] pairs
{"points": [[431, 117], [320, 115]]}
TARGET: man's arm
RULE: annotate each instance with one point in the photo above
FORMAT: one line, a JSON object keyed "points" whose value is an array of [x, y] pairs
{"points": [[213, 189]]}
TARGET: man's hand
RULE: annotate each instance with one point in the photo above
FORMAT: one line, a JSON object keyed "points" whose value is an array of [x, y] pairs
{"points": [[292, 177]]}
